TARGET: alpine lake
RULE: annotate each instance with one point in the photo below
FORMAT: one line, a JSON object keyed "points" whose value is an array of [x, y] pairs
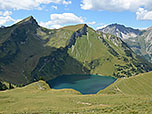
{"points": [[84, 83]]}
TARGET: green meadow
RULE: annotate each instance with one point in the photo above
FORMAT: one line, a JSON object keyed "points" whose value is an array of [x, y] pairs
{"points": [[126, 96]]}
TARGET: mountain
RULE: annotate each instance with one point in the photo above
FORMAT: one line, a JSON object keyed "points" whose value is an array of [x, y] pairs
{"points": [[142, 44], [121, 31], [29, 52], [138, 40]]}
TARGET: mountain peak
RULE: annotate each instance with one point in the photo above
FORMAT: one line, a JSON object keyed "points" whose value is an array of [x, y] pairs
{"points": [[121, 31], [75, 27], [29, 20], [116, 25]]}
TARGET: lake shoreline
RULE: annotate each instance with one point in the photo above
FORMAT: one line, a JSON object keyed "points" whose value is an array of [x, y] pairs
{"points": [[83, 83]]}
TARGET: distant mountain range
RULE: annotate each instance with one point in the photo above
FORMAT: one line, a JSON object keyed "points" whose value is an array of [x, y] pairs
{"points": [[138, 40], [29, 52], [121, 31]]}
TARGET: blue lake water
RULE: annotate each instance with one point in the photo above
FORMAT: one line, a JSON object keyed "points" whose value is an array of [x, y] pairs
{"points": [[84, 83]]}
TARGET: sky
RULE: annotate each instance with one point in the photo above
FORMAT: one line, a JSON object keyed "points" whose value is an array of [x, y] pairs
{"points": [[95, 13]]}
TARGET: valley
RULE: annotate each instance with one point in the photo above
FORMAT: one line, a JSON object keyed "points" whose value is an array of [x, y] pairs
{"points": [[74, 69]]}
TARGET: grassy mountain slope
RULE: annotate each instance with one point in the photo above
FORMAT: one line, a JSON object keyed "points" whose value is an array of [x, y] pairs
{"points": [[20, 51], [38, 98], [137, 85], [90, 52], [28, 52], [106, 54], [23, 46]]}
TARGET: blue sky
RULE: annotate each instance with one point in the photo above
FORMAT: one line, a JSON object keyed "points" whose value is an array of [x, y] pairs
{"points": [[96, 13]]}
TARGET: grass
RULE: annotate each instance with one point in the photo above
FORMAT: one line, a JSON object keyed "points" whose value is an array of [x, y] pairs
{"points": [[101, 57], [136, 85], [60, 38], [74, 27], [37, 98]]}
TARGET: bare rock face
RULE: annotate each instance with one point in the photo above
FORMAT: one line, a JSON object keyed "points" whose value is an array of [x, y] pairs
{"points": [[145, 41], [78, 33], [2, 27], [29, 20]]}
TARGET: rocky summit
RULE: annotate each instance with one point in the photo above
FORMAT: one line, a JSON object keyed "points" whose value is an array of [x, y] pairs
{"points": [[138, 40], [121, 31]]}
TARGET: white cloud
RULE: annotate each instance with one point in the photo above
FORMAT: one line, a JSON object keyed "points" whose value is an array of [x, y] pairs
{"points": [[46, 24], [115, 5], [67, 2], [16, 21], [54, 7], [50, 25], [91, 23], [58, 20], [4, 20], [56, 26], [5, 13], [27, 4], [143, 14], [121, 5], [5, 17], [101, 27], [65, 18]]}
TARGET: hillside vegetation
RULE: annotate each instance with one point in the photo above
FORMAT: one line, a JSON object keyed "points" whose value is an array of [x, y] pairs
{"points": [[29, 51], [137, 85], [5, 86]]}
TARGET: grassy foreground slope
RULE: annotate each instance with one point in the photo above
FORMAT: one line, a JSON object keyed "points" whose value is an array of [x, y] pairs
{"points": [[137, 85], [37, 98]]}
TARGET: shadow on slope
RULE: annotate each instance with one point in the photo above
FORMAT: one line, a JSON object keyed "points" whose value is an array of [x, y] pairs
{"points": [[57, 63]]}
